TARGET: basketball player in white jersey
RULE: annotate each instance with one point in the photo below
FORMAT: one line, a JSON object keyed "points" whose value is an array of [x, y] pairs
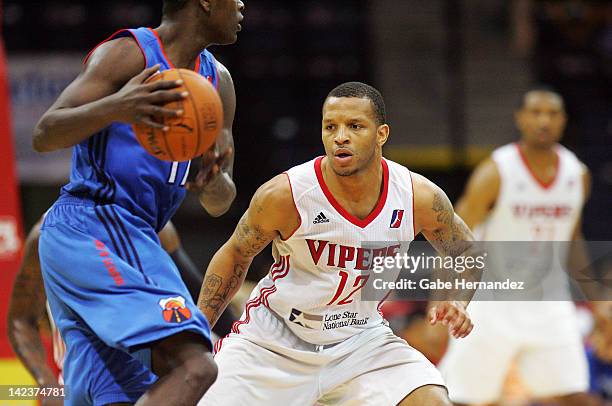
{"points": [[532, 190], [306, 336]]}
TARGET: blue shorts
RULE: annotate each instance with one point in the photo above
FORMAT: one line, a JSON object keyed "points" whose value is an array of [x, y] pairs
{"points": [[112, 291]]}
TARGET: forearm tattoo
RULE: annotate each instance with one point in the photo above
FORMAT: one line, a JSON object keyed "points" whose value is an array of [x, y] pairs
{"points": [[452, 237], [251, 240], [217, 292], [219, 287]]}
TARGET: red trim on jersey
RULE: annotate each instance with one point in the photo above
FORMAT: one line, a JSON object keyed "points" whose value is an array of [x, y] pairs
{"points": [[196, 69], [343, 212], [378, 308], [113, 36], [544, 185], [280, 270], [413, 223], [161, 46], [216, 70], [296, 209]]}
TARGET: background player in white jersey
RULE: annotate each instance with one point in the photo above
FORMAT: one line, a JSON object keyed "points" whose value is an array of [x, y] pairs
{"points": [[533, 190], [306, 336]]}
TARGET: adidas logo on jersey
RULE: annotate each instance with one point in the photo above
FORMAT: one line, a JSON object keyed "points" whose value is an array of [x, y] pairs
{"points": [[320, 219]]}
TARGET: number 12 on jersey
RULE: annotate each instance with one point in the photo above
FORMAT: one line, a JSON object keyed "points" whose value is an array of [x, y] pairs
{"points": [[359, 283]]}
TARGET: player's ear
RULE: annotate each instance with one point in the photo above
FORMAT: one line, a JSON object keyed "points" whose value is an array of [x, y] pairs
{"points": [[382, 134]]}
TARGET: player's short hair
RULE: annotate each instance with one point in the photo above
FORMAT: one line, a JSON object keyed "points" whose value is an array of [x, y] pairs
{"points": [[540, 88], [361, 90], [171, 6]]}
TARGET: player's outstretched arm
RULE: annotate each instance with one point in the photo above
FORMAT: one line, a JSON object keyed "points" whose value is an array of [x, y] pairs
{"points": [[213, 183], [436, 219], [109, 88], [271, 214], [26, 310]]}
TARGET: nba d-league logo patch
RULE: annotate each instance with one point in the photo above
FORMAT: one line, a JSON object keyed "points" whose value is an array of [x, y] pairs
{"points": [[396, 218], [174, 310]]}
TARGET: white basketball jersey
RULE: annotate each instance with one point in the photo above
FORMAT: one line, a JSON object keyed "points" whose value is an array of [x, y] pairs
{"points": [[319, 271], [528, 210]]}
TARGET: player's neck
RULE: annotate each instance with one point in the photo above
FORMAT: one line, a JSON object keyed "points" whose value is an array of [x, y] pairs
{"points": [[363, 186], [181, 42], [538, 156]]}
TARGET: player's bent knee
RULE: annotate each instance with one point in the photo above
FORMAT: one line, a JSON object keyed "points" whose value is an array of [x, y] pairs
{"points": [[200, 371], [174, 351]]}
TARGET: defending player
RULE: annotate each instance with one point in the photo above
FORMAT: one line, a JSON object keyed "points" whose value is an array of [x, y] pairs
{"points": [[533, 190], [306, 335], [111, 288]]}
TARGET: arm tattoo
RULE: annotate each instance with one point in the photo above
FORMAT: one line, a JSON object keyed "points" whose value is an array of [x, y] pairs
{"points": [[251, 240], [220, 285], [444, 213], [452, 236], [216, 295]]}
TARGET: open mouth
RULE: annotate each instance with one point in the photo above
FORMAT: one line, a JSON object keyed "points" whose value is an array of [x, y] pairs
{"points": [[343, 156]]}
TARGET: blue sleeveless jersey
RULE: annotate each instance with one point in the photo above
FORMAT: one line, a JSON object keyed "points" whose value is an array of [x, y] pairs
{"points": [[111, 167]]}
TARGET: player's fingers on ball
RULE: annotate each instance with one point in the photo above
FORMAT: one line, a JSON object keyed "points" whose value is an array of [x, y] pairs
{"points": [[166, 96], [148, 122], [164, 112], [163, 85]]}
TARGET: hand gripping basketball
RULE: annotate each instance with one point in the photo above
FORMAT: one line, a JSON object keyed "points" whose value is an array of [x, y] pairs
{"points": [[189, 121]]}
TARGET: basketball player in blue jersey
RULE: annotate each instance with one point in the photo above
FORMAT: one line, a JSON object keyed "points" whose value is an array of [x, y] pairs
{"points": [[112, 289]]}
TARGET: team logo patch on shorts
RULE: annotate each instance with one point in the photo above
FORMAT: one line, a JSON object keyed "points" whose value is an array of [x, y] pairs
{"points": [[174, 310]]}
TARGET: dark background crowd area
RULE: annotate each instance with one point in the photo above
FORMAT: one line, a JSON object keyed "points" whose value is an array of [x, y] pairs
{"points": [[291, 54]]}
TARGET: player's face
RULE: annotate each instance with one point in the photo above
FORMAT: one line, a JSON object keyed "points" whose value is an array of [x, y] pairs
{"points": [[350, 134], [225, 19], [541, 120]]}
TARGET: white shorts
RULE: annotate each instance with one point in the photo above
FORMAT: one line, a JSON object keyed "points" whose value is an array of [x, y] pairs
{"points": [[372, 368], [545, 345]]}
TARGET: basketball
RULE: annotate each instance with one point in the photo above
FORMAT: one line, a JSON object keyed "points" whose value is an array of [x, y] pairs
{"points": [[191, 134]]}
